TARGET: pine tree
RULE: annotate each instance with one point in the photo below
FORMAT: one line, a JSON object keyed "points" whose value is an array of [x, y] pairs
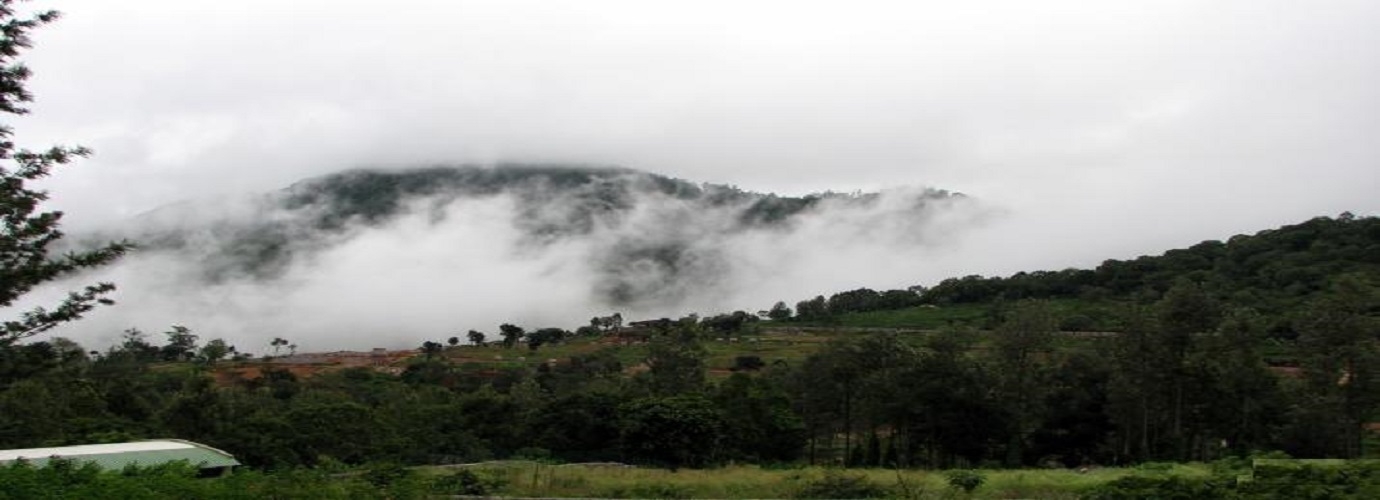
{"points": [[27, 234]]}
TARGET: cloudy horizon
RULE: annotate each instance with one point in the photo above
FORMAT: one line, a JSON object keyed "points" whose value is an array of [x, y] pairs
{"points": [[1100, 130]]}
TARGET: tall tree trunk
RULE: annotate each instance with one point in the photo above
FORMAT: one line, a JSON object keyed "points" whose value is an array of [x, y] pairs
{"points": [[847, 423], [1144, 427], [1179, 441]]}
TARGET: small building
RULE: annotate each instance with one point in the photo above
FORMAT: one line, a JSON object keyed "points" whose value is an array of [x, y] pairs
{"points": [[117, 456]]}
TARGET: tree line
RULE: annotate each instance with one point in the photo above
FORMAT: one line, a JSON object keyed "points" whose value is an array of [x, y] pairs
{"points": [[1187, 380]]}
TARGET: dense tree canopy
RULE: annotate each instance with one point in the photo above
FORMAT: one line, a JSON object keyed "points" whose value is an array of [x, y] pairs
{"points": [[1275, 272]]}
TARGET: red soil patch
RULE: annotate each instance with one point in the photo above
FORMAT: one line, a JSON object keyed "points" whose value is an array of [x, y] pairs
{"points": [[310, 364]]}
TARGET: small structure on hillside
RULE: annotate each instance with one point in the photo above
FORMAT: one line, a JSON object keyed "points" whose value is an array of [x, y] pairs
{"points": [[117, 456], [643, 331]]}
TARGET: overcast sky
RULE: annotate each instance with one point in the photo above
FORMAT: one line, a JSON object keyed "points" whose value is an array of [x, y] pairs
{"points": [[1103, 129]]}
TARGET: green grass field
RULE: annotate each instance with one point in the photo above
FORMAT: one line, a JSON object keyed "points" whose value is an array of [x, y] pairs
{"points": [[923, 317], [792, 342], [532, 479]]}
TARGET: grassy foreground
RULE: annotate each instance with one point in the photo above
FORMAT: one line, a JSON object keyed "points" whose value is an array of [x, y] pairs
{"points": [[531, 479]]}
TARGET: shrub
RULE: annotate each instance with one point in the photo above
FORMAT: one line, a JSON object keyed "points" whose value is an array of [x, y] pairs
{"points": [[1156, 466], [835, 484], [1346, 480], [532, 453], [1162, 487], [1231, 465], [466, 482], [1078, 323], [384, 474], [660, 490], [966, 480], [748, 363]]}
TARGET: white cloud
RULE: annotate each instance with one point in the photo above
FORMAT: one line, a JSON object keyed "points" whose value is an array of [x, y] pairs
{"points": [[449, 265]]}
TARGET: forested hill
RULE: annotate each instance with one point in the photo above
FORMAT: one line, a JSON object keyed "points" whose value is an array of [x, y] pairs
{"points": [[554, 198], [648, 238], [1273, 272], [1271, 267]]}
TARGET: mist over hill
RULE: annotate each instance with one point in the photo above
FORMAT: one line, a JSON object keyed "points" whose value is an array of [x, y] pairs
{"points": [[383, 257]]}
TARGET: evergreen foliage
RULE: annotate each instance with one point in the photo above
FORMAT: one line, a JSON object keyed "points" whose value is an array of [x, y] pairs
{"points": [[28, 235], [1274, 271]]}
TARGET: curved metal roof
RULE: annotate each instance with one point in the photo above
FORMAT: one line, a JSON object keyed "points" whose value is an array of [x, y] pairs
{"points": [[116, 456]]}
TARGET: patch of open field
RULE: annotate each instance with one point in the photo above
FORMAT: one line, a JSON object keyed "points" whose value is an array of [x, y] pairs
{"points": [[538, 480]]}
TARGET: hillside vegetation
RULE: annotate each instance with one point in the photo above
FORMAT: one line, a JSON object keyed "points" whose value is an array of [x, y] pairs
{"points": [[907, 379], [1272, 272]]}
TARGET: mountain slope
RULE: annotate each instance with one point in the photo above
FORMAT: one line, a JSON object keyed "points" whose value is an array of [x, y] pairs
{"points": [[1272, 271], [649, 238]]}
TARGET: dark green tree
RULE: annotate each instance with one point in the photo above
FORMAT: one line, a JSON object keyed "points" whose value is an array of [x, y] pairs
{"points": [[1341, 361], [134, 346], [944, 411], [191, 414], [214, 351], [1076, 427], [848, 383], [181, 344], [675, 363], [545, 336], [512, 334], [812, 310], [430, 349], [1241, 399], [28, 234], [579, 426], [779, 312], [1021, 347], [320, 430], [675, 431], [1184, 311], [759, 423], [278, 343], [1139, 403]]}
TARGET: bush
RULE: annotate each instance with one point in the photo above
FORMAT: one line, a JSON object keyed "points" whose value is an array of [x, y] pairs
{"points": [[649, 491], [532, 453], [1078, 323], [1342, 480], [1270, 455], [1162, 487], [966, 480], [1231, 465], [1156, 466], [835, 484], [748, 363], [466, 482], [384, 474], [1347, 480], [69, 479]]}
